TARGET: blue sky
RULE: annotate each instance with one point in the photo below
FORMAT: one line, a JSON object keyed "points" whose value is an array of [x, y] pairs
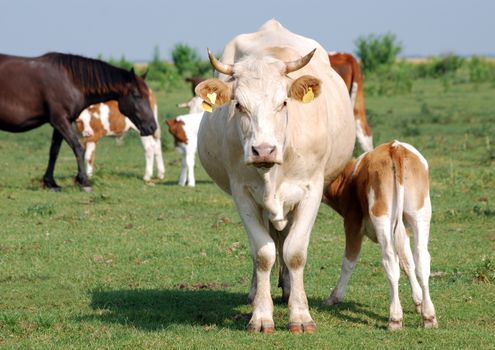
{"points": [[134, 28]]}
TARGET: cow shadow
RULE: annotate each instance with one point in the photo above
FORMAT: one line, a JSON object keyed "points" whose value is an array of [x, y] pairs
{"points": [[350, 311], [153, 309], [175, 182]]}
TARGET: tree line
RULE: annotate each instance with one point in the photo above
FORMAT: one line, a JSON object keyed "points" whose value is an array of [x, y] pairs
{"points": [[378, 56]]}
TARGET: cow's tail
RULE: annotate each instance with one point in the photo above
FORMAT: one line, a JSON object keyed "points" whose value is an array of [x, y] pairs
{"points": [[354, 88], [356, 73], [399, 230]]}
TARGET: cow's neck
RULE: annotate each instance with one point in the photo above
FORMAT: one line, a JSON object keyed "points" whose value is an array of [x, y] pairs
{"points": [[278, 196]]}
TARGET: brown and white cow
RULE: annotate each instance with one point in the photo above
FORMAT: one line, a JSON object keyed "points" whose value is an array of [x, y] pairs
{"points": [[184, 129], [105, 119], [348, 68], [281, 124], [374, 194]]}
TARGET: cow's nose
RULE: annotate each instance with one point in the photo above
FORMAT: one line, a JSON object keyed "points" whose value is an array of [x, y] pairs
{"points": [[264, 151]]}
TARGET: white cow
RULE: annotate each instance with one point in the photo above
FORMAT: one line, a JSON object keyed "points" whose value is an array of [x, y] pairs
{"points": [[373, 194], [281, 126]]}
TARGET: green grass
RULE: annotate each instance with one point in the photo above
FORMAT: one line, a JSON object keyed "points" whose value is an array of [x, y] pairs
{"points": [[139, 266]]}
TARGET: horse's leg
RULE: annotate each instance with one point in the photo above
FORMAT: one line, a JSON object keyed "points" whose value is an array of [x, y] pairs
{"points": [[48, 179], [67, 133]]}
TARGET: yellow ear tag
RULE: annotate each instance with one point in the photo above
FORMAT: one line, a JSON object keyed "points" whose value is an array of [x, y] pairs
{"points": [[206, 107], [308, 96], [212, 97]]}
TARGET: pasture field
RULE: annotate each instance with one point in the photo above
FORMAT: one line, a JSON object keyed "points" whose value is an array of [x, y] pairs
{"points": [[136, 266]]}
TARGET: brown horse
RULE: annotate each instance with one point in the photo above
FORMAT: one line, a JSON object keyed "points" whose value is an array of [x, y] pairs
{"points": [[55, 88]]}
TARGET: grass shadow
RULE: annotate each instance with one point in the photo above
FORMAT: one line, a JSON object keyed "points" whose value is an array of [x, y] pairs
{"points": [[351, 311], [152, 309], [175, 182]]}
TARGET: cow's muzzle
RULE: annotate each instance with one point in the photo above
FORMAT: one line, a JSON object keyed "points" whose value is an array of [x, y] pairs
{"points": [[263, 156]]}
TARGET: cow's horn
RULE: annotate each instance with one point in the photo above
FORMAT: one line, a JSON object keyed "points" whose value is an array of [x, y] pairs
{"points": [[226, 69], [298, 64]]}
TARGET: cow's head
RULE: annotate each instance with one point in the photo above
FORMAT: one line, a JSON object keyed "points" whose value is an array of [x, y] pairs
{"points": [[260, 90]]}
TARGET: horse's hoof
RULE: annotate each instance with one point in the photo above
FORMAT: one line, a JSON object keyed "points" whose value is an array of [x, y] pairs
{"points": [[86, 189]]}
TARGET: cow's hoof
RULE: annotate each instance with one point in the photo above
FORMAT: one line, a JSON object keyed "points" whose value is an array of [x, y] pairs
{"points": [[418, 308], [86, 189], [430, 322], [394, 325], [266, 327], [298, 328], [332, 300]]}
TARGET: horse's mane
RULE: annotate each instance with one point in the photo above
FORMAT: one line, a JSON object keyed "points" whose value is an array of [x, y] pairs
{"points": [[92, 76]]}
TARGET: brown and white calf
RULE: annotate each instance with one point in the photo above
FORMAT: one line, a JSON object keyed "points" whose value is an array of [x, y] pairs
{"points": [[184, 129], [374, 194], [105, 119]]}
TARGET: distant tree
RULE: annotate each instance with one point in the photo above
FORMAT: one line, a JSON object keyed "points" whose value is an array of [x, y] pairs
{"points": [[188, 62], [377, 50], [165, 73], [122, 63]]}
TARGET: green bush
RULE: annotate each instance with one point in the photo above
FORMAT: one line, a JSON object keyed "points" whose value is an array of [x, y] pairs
{"points": [[481, 69], [437, 67], [122, 63], [390, 80], [377, 50], [162, 72], [188, 61]]}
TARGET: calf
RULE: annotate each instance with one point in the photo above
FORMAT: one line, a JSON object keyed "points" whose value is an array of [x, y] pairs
{"points": [[184, 129], [105, 119], [374, 194], [348, 68]]}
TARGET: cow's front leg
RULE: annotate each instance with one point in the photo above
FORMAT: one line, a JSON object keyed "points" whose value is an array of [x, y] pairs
{"points": [[294, 254], [264, 254]]}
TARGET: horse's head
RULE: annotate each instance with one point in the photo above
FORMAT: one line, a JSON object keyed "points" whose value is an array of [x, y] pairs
{"points": [[135, 104]]}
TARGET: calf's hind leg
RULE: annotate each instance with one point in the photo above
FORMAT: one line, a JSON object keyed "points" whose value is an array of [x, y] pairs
{"points": [[353, 242], [420, 224]]}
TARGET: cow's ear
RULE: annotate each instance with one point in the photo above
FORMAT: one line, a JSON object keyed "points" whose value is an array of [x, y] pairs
{"points": [[305, 89], [214, 93]]}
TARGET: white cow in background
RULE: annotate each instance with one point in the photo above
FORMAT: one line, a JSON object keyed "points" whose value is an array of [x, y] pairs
{"points": [[281, 128]]}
